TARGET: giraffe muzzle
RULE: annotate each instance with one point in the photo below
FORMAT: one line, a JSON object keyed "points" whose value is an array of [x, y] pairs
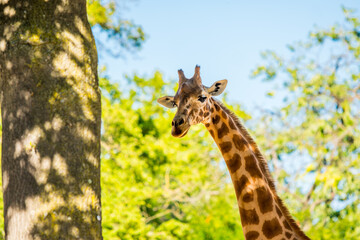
{"points": [[177, 122], [179, 126], [178, 133]]}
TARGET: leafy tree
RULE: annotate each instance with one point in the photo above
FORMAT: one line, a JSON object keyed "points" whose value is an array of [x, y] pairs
{"points": [[40, 38], [50, 121], [110, 27], [316, 133]]}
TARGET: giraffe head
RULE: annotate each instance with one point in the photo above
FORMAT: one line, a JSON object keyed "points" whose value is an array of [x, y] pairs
{"points": [[193, 101]]}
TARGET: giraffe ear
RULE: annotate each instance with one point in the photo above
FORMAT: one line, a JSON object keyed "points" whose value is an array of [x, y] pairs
{"points": [[217, 88], [167, 101]]}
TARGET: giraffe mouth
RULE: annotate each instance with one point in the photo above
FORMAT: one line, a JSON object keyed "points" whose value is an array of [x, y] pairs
{"points": [[178, 133]]}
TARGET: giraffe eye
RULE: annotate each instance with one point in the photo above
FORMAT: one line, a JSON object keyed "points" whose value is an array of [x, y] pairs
{"points": [[202, 98]]}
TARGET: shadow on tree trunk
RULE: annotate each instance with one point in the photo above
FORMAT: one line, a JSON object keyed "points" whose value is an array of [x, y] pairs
{"points": [[51, 121]]}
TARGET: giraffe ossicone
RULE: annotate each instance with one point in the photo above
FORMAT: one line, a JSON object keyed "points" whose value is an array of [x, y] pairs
{"points": [[263, 214]]}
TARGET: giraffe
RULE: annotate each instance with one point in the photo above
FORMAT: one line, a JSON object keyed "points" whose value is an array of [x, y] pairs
{"points": [[263, 214]]}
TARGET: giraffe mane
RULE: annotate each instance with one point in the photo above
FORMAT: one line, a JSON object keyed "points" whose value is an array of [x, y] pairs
{"points": [[265, 170]]}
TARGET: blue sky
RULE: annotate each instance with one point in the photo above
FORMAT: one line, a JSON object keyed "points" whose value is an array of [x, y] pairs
{"points": [[224, 37]]}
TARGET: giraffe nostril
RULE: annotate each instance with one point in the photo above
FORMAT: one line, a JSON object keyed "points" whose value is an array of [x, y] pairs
{"points": [[181, 121]]}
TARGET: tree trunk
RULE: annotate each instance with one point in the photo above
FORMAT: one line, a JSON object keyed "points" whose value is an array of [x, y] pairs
{"points": [[51, 117]]}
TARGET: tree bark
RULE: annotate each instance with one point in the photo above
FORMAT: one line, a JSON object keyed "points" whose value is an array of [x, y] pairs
{"points": [[51, 118]]}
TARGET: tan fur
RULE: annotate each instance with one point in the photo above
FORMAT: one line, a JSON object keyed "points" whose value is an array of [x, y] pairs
{"points": [[264, 168]]}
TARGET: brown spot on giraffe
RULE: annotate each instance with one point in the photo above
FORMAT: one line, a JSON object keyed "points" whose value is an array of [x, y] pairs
{"points": [[248, 217], [240, 184], [251, 167], [225, 147], [271, 228], [217, 107], [265, 200], [231, 124], [212, 109], [223, 130], [224, 115], [234, 163], [216, 119], [288, 235], [201, 113], [206, 114], [212, 133], [207, 125], [239, 142], [286, 225], [252, 235], [248, 197], [278, 211]]}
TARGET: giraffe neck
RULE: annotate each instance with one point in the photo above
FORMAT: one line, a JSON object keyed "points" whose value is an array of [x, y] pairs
{"points": [[263, 215]]}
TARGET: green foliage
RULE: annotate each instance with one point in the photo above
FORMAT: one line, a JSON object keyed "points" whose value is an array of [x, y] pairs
{"points": [[111, 29], [317, 130], [155, 186]]}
